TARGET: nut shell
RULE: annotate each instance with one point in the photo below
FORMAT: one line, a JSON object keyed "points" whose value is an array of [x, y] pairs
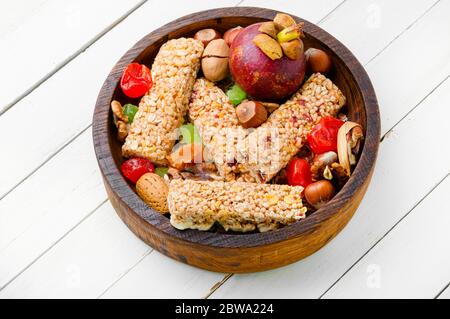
{"points": [[215, 60], [215, 69], [153, 190], [217, 48], [207, 35], [348, 136]]}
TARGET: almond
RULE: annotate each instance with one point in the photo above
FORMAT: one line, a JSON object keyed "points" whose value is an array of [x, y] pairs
{"points": [[153, 190]]}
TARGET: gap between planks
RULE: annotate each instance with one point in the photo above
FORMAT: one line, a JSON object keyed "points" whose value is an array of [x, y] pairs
{"points": [[382, 237], [92, 212], [405, 30], [70, 58], [442, 291], [331, 12], [148, 252], [217, 285]]}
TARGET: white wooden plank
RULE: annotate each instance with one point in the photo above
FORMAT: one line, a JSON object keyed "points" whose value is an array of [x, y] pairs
{"points": [[38, 212], [48, 205], [312, 11], [84, 263], [412, 160], [62, 106], [367, 26], [94, 255], [158, 276], [403, 75], [445, 294], [412, 261], [46, 39], [22, 236], [14, 13]]}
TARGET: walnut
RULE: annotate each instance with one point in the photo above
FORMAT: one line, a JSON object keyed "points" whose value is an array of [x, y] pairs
{"points": [[117, 110], [339, 174], [122, 130], [120, 120]]}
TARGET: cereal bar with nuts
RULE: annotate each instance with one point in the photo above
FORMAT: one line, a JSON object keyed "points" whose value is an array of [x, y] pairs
{"points": [[272, 145], [237, 206], [153, 131], [212, 113]]}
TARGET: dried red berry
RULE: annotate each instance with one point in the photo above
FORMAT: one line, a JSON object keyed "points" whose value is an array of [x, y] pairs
{"points": [[134, 168]]}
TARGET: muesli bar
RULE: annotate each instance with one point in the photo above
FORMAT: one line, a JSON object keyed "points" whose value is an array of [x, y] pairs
{"points": [[153, 131], [237, 206], [272, 145], [212, 113]]}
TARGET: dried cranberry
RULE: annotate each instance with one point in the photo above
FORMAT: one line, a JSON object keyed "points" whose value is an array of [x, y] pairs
{"points": [[134, 168]]}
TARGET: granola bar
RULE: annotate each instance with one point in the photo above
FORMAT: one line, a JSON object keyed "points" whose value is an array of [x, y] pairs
{"points": [[272, 145], [212, 113], [153, 131], [237, 206]]}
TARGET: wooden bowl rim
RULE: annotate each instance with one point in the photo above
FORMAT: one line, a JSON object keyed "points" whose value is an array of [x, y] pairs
{"points": [[127, 195]]}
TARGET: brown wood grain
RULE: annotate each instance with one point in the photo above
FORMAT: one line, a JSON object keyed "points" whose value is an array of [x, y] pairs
{"points": [[226, 252]]}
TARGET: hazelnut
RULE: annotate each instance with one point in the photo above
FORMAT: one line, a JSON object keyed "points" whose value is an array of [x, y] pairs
{"points": [[292, 49], [318, 60], [186, 154], [230, 34], [215, 60], [251, 114], [207, 35], [269, 29], [269, 46], [153, 190], [319, 193], [283, 20]]}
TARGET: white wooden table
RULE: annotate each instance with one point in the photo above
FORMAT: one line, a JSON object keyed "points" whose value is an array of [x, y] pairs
{"points": [[59, 235]]}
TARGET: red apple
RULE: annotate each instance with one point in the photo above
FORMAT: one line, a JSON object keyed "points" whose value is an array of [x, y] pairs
{"points": [[262, 78]]}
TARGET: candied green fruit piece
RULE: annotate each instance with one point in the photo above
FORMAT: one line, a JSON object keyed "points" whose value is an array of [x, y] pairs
{"points": [[130, 110], [236, 94], [161, 171], [189, 134]]}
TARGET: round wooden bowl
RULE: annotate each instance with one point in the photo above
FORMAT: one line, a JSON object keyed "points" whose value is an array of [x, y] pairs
{"points": [[225, 252]]}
